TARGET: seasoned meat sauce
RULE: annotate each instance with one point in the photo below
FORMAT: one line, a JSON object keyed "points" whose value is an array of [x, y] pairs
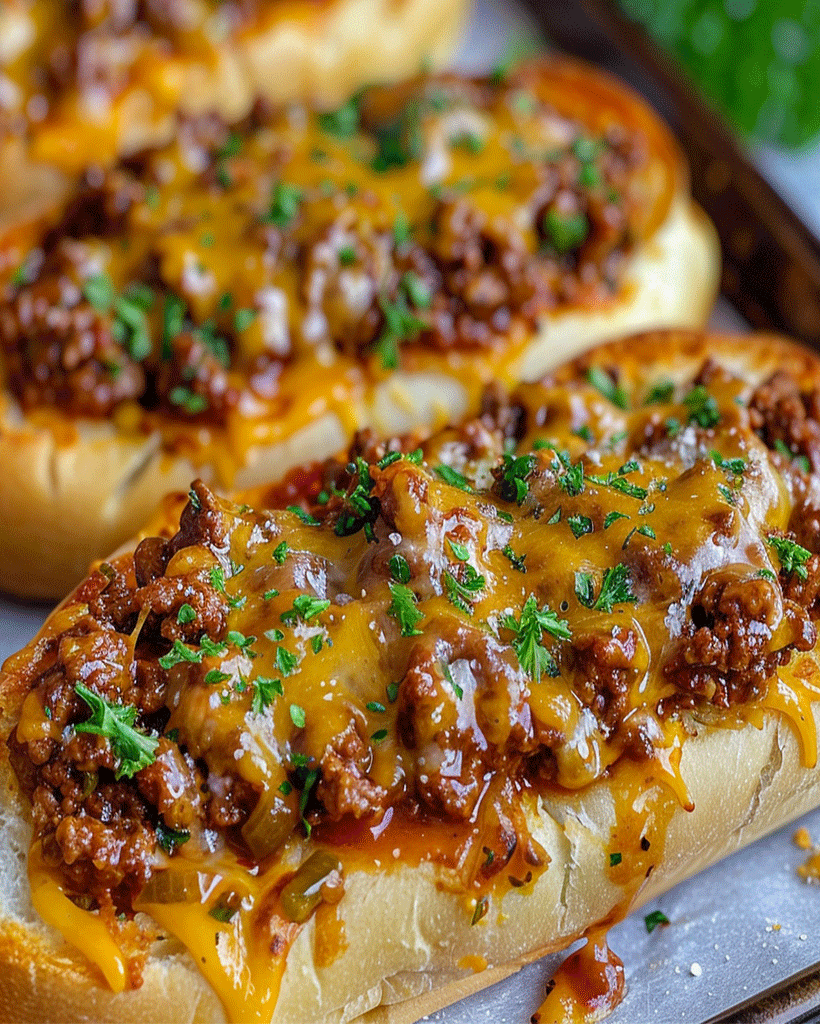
{"points": [[440, 215], [582, 574]]}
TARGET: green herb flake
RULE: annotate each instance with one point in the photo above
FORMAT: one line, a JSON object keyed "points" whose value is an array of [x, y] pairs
{"points": [[602, 382], [579, 525], [660, 392], [403, 609], [528, 631], [517, 561], [613, 517], [265, 691], [297, 716], [133, 749], [305, 517], [565, 232], [702, 407], [615, 589], [280, 552], [170, 838], [462, 592], [284, 206], [513, 475], [185, 615], [615, 859], [214, 677], [793, 557], [454, 478], [305, 608], [657, 917]]}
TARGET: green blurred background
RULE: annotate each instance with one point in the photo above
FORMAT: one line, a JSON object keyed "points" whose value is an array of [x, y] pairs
{"points": [[757, 60]]}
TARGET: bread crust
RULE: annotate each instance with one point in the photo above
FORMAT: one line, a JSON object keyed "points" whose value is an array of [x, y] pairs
{"points": [[411, 963]]}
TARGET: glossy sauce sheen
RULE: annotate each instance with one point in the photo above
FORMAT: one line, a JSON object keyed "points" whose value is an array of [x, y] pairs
{"points": [[406, 630]]}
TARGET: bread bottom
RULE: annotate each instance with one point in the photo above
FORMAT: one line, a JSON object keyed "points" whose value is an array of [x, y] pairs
{"points": [[406, 936]]}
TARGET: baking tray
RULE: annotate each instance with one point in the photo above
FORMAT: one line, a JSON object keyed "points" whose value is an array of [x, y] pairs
{"points": [[749, 923]]}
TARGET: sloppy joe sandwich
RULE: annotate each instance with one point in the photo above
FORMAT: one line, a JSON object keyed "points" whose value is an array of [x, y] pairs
{"points": [[455, 706], [82, 83], [242, 300]]}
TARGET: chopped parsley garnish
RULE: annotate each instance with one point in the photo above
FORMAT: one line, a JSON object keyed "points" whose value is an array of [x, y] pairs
{"points": [[654, 919], [737, 467], [615, 589], [179, 653], [613, 517], [403, 609], [462, 592], [513, 475], [306, 517], [461, 551], [214, 677], [400, 324], [305, 608], [375, 707], [454, 478], [400, 140], [173, 322], [360, 509], [170, 838], [128, 325], [185, 614], [399, 569], [243, 318], [274, 635], [379, 735], [217, 577], [702, 407], [801, 461], [602, 382], [618, 482], [517, 561], [285, 203], [286, 661], [242, 642], [565, 232], [579, 524], [297, 716], [533, 656], [265, 691], [280, 552], [392, 691], [187, 400], [793, 557], [660, 392], [344, 121], [133, 749], [615, 859], [448, 675]]}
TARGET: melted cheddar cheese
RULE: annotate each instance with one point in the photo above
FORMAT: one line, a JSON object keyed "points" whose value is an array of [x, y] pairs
{"points": [[375, 264], [402, 666]]}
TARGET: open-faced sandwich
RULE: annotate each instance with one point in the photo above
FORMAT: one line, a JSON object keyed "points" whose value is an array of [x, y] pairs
{"points": [[243, 300], [86, 81], [458, 705]]}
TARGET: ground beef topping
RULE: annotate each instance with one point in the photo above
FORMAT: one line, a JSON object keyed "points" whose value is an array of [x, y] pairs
{"points": [[445, 213], [582, 574]]}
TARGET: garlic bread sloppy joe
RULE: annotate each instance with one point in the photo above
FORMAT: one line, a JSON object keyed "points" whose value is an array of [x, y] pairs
{"points": [[456, 706], [241, 301], [85, 82]]}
